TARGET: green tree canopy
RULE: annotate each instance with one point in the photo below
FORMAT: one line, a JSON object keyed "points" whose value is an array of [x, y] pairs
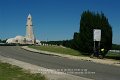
{"points": [[88, 22]]}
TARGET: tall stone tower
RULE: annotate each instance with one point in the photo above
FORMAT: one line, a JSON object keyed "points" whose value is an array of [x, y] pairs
{"points": [[29, 31]]}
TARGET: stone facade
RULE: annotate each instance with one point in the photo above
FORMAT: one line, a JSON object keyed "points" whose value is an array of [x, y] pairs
{"points": [[29, 38]]}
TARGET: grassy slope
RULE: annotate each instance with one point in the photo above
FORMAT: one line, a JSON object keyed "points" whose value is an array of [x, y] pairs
{"points": [[113, 55], [69, 51], [57, 49], [10, 72]]}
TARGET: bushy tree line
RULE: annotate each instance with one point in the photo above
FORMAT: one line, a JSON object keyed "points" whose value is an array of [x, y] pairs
{"points": [[115, 47], [3, 41], [66, 43]]}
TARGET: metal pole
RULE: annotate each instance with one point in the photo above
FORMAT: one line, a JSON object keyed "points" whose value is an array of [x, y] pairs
{"points": [[99, 46], [94, 47]]}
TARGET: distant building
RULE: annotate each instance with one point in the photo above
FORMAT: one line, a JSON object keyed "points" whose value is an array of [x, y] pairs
{"points": [[29, 38]]}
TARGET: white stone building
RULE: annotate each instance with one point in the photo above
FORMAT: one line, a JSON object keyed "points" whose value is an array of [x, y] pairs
{"points": [[29, 38]]}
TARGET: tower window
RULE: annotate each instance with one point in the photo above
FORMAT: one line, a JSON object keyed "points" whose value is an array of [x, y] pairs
{"points": [[28, 18]]}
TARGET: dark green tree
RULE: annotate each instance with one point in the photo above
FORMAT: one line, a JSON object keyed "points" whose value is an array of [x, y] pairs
{"points": [[88, 22], [76, 41]]}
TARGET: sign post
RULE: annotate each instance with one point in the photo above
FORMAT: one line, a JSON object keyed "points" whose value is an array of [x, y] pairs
{"points": [[97, 34], [96, 38]]}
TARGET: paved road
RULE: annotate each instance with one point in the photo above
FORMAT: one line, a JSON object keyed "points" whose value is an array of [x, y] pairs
{"points": [[102, 72]]}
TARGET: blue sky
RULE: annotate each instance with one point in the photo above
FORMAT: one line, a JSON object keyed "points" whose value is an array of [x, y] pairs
{"points": [[54, 19]]}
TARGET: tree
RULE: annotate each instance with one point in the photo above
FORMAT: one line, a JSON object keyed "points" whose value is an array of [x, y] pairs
{"points": [[88, 22], [76, 41], [115, 47]]}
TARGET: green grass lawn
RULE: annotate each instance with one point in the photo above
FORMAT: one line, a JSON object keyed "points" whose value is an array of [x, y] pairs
{"points": [[57, 49], [11, 72]]}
